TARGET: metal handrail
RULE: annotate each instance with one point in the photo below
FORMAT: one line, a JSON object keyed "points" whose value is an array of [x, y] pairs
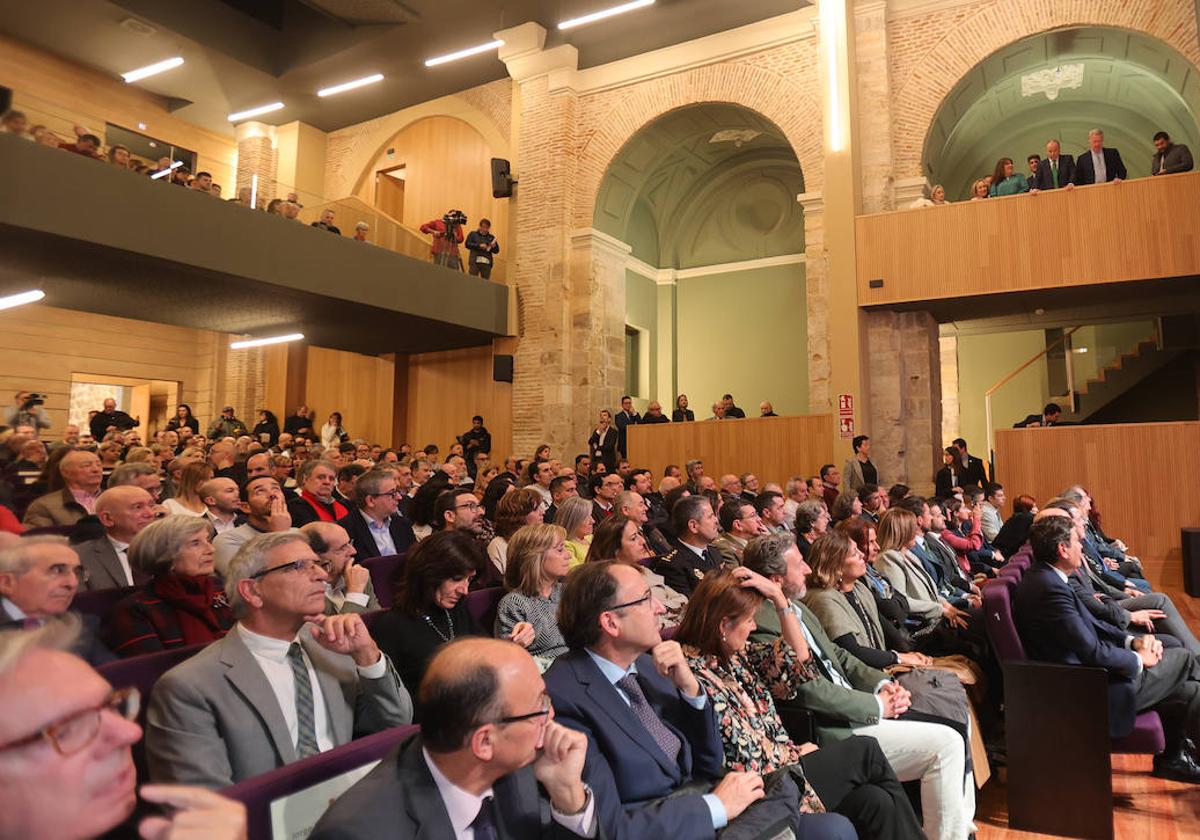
{"points": [[987, 395]]}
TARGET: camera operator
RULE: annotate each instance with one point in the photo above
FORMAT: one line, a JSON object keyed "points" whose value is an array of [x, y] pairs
{"points": [[482, 245], [447, 235], [27, 411]]}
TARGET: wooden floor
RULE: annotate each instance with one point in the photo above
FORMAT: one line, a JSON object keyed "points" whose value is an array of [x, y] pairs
{"points": [[1146, 808]]}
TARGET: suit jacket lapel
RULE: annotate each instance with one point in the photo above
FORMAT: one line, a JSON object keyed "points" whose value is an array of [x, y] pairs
{"points": [[111, 562], [249, 681], [365, 538], [422, 800]]}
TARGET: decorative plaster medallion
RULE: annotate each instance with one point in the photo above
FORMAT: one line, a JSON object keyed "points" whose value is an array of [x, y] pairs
{"points": [[1051, 80], [738, 136]]}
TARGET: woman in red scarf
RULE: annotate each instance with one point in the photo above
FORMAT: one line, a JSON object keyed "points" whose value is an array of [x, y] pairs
{"points": [[183, 604]]}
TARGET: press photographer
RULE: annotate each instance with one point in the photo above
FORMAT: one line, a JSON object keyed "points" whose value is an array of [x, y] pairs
{"points": [[447, 235], [27, 411], [481, 245]]}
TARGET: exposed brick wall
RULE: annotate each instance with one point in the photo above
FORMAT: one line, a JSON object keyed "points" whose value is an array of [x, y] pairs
{"points": [[495, 100]]}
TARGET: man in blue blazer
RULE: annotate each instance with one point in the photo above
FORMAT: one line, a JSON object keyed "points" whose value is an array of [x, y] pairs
{"points": [[1098, 165], [374, 524], [1055, 626]]}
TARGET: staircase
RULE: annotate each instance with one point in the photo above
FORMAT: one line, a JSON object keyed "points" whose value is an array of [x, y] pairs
{"points": [[1127, 371]]}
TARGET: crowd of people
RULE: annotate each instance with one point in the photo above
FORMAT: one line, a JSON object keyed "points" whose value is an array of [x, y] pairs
{"points": [[677, 655], [1100, 164]]}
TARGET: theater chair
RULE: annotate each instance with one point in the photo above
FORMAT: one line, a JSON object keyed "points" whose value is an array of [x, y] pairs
{"points": [[482, 604], [382, 570], [100, 602], [310, 785], [1056, 722]]}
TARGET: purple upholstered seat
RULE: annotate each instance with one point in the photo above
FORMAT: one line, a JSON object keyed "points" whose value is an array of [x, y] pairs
{"points": [[997, 611], [382, 569], [1011, 571], [259, 792], [482, 605], [1146, 738], [99, 602]]}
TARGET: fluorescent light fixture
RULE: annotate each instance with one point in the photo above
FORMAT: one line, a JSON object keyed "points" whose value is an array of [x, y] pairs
{"points": [[469, 51], [263, 342], [833, 28], [605, 13], [165, 172], [345, 86], [254, 191], [9, 301], [255, 112], [151, 70]]}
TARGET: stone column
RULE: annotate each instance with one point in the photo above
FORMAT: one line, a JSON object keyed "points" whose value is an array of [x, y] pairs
{"points": [[816, 292], [257, 156], [597, 327]]}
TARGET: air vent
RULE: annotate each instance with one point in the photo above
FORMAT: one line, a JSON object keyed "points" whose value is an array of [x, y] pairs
{"points": [[138, 27]]}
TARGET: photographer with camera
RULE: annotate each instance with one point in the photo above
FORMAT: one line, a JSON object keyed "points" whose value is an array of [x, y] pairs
{"points": [[481, 245], [447, 235], [27, 411]]}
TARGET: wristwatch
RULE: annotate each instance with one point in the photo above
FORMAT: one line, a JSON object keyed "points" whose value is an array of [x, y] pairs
{"points": [[587, 800]]}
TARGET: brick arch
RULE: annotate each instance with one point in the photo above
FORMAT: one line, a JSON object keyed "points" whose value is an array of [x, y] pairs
{"points": [[945, 61], [794, 107]]}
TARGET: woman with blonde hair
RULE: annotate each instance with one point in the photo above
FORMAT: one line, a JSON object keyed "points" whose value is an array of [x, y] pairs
{"points": [[979, 189], [187, 501], [538, 561], [897, 534], [574, 516]]}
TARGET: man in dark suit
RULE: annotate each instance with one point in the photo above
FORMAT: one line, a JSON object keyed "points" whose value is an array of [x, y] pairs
{"points": [[488, 748], [731, 409], [374, 524], [605, 490], [1098, 165], [123, 511], [654, 747], [1055, 172], [625, 417], [654, 414], [1048, 417], [1169, 157], [1055, 626], [695, 526], [315, 502], [972, 472], [110, 418]]}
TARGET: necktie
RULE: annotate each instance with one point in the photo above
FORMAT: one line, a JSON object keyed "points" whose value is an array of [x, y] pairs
{"points": [[484, 824], [306, 732], [667, 741], [1054, 171]]}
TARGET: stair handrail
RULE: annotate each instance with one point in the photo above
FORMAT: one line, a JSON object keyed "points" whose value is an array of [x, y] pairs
{"points": [[987, 395]]}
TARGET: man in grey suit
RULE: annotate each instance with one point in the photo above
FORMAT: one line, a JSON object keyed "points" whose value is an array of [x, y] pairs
{"points": [[273, 690], [349, 587], [488, 748], [124, 512], [1169, 157]]}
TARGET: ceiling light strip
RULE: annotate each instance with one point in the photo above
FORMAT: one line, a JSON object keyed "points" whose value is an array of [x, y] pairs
{"points": [[263, 342], [605, 13], [256, 112], [469, 51], [22, 298], [151, 70], [345, 86]]}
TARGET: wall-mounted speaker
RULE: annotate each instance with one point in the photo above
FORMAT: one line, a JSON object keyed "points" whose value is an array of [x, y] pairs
{"points": [[502, 368], [6, 99], [502, 180]]}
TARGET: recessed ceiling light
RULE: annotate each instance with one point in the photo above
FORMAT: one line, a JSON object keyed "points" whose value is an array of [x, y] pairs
{"points": [[605, 13], [345, 86], [262, 342], [255, 112], [22, 298], [151, 69], [469, 51]]}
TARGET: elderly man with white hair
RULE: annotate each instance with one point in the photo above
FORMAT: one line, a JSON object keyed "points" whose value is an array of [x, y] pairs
{"points": [[82, 474]]}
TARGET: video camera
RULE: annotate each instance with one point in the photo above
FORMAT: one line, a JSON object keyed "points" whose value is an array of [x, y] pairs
{"points": [[32, 400], [454, 218]]}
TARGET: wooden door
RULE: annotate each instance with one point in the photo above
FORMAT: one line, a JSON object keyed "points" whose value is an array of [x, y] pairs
{"points": [[389, 194]]}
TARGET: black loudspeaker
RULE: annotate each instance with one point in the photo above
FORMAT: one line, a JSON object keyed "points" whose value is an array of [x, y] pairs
{"points": [[502, 368], [5, 99], [502, 181], [1191, 561]]}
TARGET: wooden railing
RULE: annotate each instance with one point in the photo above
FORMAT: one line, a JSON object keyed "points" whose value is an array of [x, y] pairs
{"points": [[1109, 233]]}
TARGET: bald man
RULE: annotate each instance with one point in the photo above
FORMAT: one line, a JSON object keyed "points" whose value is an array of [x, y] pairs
{"points": [[220, 497], [123, 511], [82, 475], [348, 585]]}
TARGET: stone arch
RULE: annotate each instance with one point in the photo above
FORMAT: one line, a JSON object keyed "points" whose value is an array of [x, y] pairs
{"points": [[789, 103], [946, 61]]}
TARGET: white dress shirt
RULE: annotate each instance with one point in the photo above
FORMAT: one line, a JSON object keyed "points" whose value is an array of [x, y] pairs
{"points": [[122, 550], [221, 525]]}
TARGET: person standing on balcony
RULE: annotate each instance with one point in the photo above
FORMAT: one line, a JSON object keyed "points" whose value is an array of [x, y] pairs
{"points": [[1057, 171], [326, 222], [482, 245], [1099, 165], [1170, 157], [447, 236], [1048, 417], [1034, 162], [1005, 181]]}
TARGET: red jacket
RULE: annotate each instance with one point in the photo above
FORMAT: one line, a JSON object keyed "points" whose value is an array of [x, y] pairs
{"points": [[441, 244], [963, 545]]}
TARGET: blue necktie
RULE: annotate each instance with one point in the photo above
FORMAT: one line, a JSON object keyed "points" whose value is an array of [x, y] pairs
{"points": [[484, 824]]}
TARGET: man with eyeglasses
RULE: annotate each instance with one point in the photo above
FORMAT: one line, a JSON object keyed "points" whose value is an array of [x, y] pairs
{"points": [[605, 490], [487, 758], [658, 765], [375, 525], [349, 588], [39, 577], [66, 769], [289, 681], [459, 509]]}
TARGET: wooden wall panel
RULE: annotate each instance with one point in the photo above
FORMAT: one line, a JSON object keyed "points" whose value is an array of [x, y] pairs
{"points": [[358, 386], [773, 448], [1122, 467], [42, 346], [446, 389], [1111, 233]]}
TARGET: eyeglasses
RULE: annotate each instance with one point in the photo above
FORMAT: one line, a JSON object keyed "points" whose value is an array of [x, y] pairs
{"points": [[647, 597], [541, 713], [63, 570], [74, 733], [302, 565], [393, 493], [468, 506]]}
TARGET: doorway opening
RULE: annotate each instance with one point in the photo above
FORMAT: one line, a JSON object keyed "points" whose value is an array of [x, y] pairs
{"points": [[150, 401], [389, 190]]}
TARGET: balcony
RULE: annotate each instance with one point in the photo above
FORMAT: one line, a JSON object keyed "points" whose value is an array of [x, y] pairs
{"points": [[102, 240], [1146, 229]]}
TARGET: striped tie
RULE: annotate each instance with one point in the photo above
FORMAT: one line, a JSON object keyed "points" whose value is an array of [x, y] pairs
{"points": [[306, 732]]}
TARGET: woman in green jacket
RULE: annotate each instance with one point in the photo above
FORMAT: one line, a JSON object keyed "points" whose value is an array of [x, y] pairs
{"points": [[1004, 182]]}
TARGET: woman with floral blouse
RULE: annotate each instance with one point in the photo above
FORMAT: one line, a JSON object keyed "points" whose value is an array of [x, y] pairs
{"points": [[743, 677]]}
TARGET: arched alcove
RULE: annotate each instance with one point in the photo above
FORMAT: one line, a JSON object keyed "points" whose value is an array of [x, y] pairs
{"points": [[1059, 84]]}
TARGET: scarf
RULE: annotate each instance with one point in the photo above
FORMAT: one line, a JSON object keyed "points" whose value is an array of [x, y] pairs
{"points": [[326, 513], [199, 603]]}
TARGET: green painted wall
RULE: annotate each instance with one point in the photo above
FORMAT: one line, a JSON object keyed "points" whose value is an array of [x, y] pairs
{"points": [[983, 360], [744, 332], [641, 310]]}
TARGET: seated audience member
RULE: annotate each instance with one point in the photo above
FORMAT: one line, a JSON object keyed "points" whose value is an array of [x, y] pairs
{"points": [[124, 512], [326, 222], [795, 492], [742, 678], [187, 500], [497, 489], [812, 520], [15, 123], [632, 505], [848, 506], [1005, 181], [489, 755], [1109, 558], [874, 502], [964, 534], [605, 490], [718, 411], [765, 409], [144, 475], [769, 505], [654, 414], [39, 577], [348, 588], [1055, 626], [1015, 530], [1098, 164], [87, 145], [979, 189], [620, 540], [315, 502], [695, 527], [538, 561], [262, 502], [938, 560], [374, 522], [562, 487], [516, 510], [575, 517], [731, 409], [540, 475], [81, 476], [347, 475], [657, 769], [731, 485], [457, 509], [990, 520], [287, 690], [739, 522], [1169, 157], [681, 412], [904, 571], [901, 631], [68, 770], [222, 506], [425, 499], [183, 603]]}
